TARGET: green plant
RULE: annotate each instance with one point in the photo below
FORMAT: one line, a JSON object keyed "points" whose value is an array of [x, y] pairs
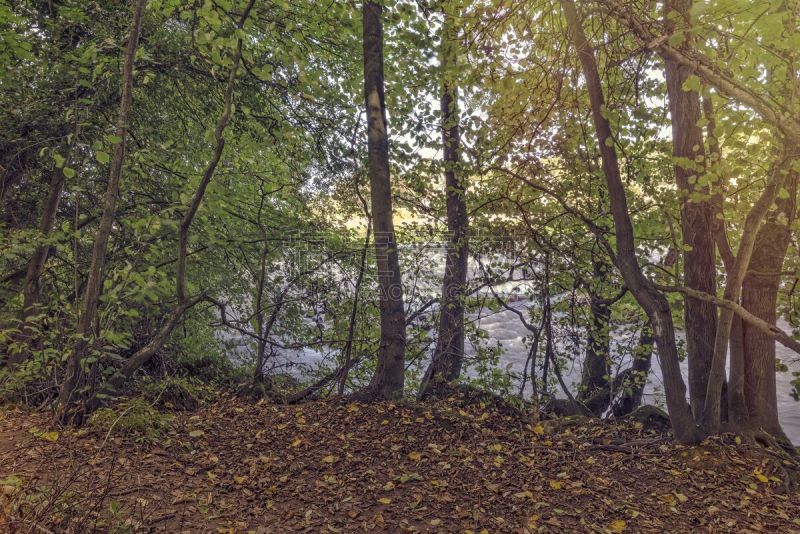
{"points": [[135, 417]]}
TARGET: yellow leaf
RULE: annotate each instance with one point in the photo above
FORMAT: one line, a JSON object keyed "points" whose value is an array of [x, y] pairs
{"points": [[389, 486], [330, 459], [617, 526], [415, 456], [196, 433], [524, 494], [760, 476], [435, 522], [384, 500], [49, 436], [297, 442], [538, 429], [556, 485], [681, 497], [239, 480]]}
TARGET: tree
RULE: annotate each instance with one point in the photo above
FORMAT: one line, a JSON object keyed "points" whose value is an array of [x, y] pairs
{"points": [[697, 211], [74, 374], [648, 297], [388, 379], [448, 355]]}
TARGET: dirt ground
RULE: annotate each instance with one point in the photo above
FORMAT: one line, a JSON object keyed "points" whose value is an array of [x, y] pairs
{"points": [[332, 466]]}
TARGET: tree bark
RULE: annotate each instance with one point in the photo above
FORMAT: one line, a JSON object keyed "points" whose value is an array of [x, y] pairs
{"points": [[74, 372], [649, 298], [388, 379], [595, 369], [733, 288], [697, 209], [749, 345], [633, 389], [448, 356]]}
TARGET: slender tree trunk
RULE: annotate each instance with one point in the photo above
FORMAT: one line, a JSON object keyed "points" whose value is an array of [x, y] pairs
{"points": [[649, 298], [184, 303], [74, 372], [547, 323], [448, 356], [347, 360], [31, 286], [697, 214], [261, 344], [388, 379]]}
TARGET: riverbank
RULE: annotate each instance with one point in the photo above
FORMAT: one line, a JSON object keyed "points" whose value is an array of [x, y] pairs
{"points": [[344, 467]]}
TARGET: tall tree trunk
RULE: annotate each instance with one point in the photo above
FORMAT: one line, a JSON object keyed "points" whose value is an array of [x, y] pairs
{"points": [[74, 372], [733, 289], [752, 347], [388, 379], [697, 214], [649, 298], [449, 353]]}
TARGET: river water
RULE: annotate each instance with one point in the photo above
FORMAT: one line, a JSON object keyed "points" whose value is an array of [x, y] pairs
{"points": [[506, 328]]}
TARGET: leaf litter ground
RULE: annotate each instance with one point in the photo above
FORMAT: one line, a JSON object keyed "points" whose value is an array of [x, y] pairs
{"points": [[334, 466]]}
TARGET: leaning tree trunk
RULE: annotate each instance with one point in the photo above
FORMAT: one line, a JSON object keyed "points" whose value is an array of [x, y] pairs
{"points": [[649, 298], [697, 215], [387, 381], [74, 375], [449, 353]]}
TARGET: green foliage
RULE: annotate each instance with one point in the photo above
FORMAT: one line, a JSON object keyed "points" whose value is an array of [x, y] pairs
{"points": [[134, 418]]}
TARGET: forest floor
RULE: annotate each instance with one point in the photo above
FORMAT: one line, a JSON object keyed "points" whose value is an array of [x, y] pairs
{"points": [[448, 466]]}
